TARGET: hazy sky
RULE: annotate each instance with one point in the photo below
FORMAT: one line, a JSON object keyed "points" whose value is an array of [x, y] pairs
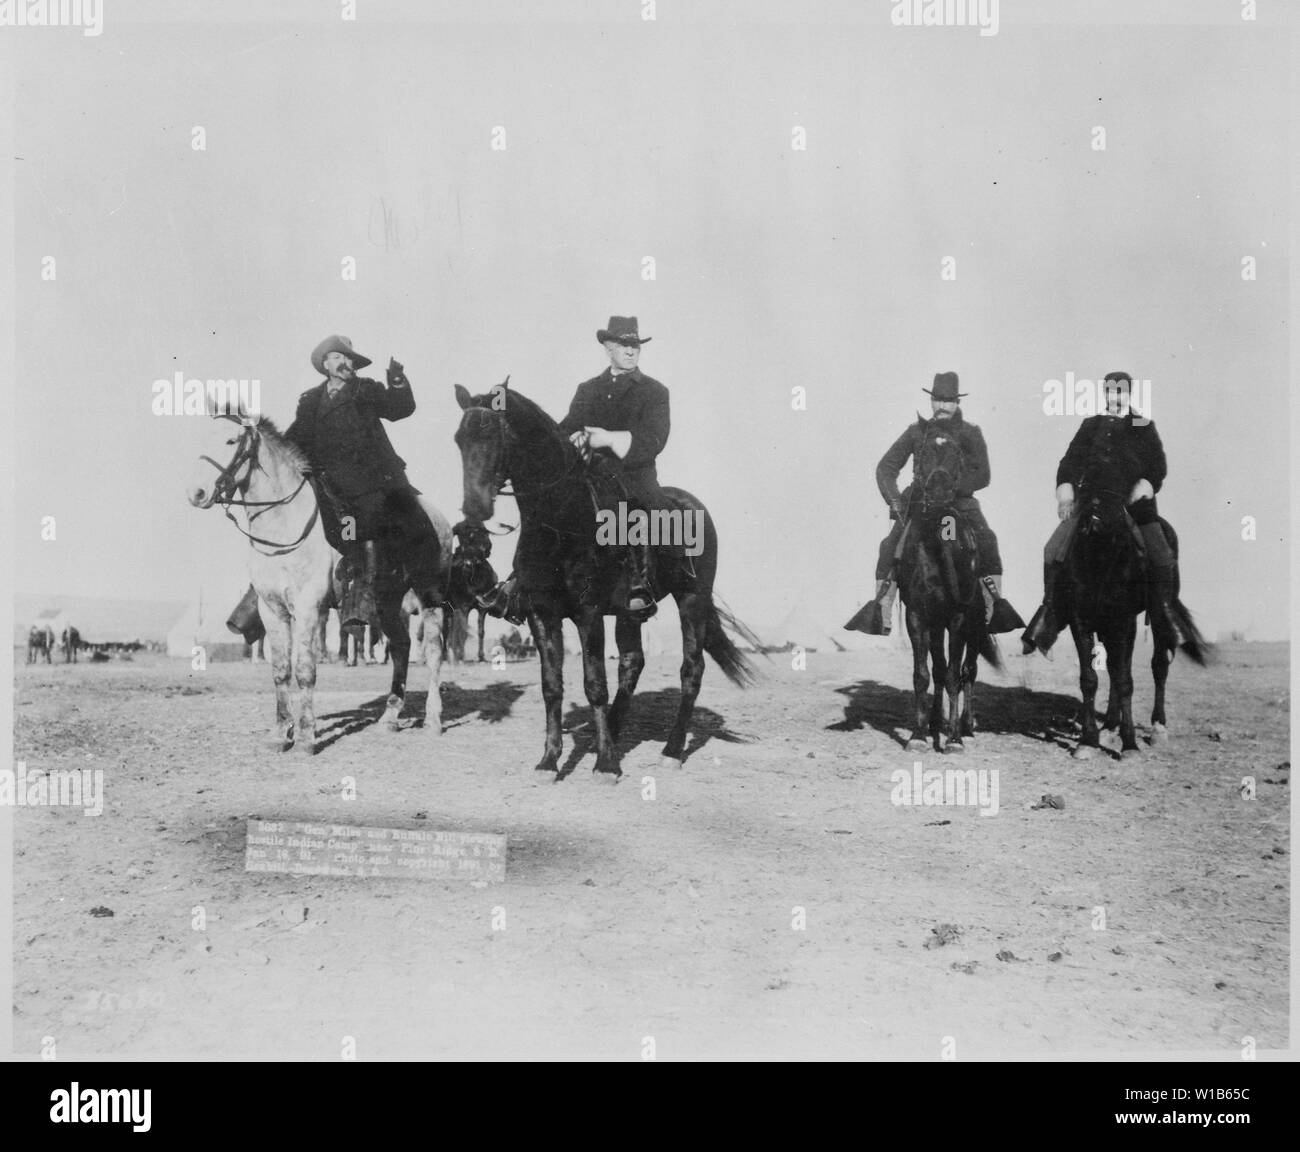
{"points": [[774, 267]]}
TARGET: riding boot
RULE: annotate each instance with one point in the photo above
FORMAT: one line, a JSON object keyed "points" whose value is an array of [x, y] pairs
{"points": [[1044, 627], [640, 596], [504, 600], [998, 613], [1162, 579], [361, 609], [876, 618], [246, 620]]}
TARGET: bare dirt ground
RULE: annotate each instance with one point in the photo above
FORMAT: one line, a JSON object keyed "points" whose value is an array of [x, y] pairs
{"points": [[676, 918]]}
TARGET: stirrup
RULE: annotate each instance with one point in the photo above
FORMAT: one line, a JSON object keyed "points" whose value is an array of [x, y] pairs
{"points": [[1004, 619], [870, 619]]}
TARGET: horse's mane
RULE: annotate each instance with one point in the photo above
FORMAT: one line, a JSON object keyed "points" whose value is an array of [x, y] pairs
{"points": [[267, 429], [535, 418]]}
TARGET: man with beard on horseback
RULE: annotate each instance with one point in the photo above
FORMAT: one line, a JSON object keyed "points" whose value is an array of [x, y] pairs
{"points": [[946, 421], [338, 427], [1121, 446], [619, 423]]}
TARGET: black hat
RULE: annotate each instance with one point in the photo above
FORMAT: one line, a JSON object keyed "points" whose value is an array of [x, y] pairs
{"points": [[622, 330], [336, 344], [945, 387]]}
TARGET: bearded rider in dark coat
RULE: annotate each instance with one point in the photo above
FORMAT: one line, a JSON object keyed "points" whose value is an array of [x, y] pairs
{"points": [[1125, 441], [875, 618], [337, 426]]}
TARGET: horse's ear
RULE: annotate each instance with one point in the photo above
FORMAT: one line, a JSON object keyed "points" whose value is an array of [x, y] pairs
{"points": [[506, 382], [463, 398]]}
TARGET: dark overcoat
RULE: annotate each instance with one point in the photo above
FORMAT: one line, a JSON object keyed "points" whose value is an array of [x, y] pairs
{"points": [[630, 402], [1125, 449], [975, 473], [345, 440]]}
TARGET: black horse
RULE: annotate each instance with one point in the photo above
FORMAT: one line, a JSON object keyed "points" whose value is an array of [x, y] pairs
{"points": [[942, 601], [472, 576], [565, 574], [71, 643], [1102, 590]]}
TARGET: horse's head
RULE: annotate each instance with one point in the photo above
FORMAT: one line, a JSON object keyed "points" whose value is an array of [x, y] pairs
{"points": [[484, 442], [939, 470], [1101, 512], [231, 439]]}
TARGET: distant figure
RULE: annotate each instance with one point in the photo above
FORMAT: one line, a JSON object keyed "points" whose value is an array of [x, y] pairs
{"points": [[40, 642], [71, 641]]}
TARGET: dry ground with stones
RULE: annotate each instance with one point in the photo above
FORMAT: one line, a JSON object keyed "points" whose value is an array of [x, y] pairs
{"points": [[768, 901]]}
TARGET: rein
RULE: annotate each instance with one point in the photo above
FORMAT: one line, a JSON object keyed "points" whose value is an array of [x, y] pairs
{"points": [[226, 486]]}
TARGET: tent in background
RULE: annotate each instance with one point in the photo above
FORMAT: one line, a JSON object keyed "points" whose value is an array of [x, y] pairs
{"points": [[203, 626]]}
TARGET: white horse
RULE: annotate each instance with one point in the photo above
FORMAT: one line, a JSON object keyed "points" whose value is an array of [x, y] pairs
{"points": [[252, 467]]}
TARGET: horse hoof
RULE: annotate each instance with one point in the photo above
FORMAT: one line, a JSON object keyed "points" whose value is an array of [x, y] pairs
{"points": [[1084, 752], [917, 744], [954, 746], [546, 764], [305, 747], [1159, 734], [1131, 754], [670, 763], [607, 775]]}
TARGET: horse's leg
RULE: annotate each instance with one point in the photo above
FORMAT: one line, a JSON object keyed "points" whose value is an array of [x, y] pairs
{"points": [[388, 597], [279, 645], [548, 635], [939, 662], [1160, 671], [1089, 741], [631, 659], [591, 631], [694, 609], [1126, 636], [953, 685], [969, 673], [920, 638], [482, 625], [305, 630], [434, 627]]}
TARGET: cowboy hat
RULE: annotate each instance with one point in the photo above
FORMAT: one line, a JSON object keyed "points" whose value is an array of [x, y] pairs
{"points": [[945, 387], [622, 330], [336, 344]]}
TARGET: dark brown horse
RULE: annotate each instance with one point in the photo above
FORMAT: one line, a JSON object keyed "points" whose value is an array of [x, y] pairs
{"points": [[942, 601], [564, 573], [472, 576], [1102, 591]]}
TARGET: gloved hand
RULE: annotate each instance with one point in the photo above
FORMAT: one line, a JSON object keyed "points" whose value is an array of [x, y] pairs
{"points": [[1065, 501], [1142, 490], [396, 374], [582, 442]]}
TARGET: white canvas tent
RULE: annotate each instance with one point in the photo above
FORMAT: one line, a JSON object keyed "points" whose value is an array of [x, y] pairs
{"points": [[202, 625]]}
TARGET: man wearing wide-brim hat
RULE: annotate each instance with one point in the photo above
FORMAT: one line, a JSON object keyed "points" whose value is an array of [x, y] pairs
{"points": [[946, 419], [619, 421], [338, 427]]}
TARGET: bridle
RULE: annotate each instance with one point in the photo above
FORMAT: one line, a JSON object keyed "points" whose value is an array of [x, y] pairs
{"points": [[505, 485], [227, 485]]}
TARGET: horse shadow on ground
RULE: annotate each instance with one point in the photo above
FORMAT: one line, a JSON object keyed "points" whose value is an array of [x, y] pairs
{"points": [[650, 719], [490, 704], [1051, 717]]}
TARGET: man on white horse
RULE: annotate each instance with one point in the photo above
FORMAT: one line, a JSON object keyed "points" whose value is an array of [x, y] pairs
{"points": [[338, 427]]}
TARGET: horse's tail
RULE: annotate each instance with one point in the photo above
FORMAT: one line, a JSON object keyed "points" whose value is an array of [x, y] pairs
{"points": [[1196, 647], [988, 647], [736, 666]]}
